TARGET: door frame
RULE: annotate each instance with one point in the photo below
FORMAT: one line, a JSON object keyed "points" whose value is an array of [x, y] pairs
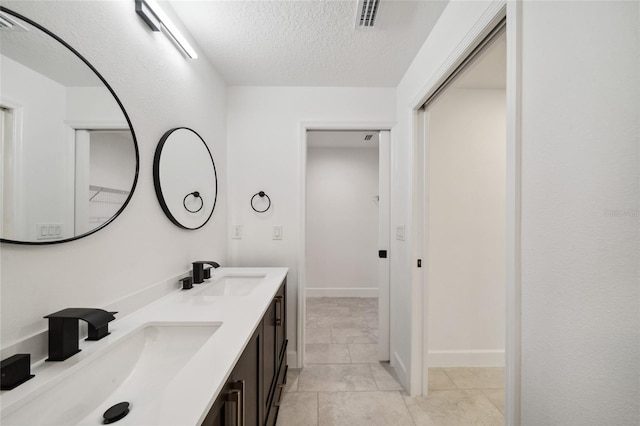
{"points": [[304, 128], [497, 11]]}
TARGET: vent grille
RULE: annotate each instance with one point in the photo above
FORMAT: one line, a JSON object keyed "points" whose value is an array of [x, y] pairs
{"points": [[8, 24], [368, 13], [5, 24], [368, 137]]}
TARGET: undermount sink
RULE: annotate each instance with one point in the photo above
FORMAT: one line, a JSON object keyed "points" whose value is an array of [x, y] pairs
{"points": [[136, 369], [232, 285]]}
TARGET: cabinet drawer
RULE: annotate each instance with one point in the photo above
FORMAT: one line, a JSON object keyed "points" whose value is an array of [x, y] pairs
{"points": [[273, 386], [277, 397]]}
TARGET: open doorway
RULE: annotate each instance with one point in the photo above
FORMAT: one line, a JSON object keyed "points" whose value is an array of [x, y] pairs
{"points": [[465, 232], [346, 241], [104, 168]]}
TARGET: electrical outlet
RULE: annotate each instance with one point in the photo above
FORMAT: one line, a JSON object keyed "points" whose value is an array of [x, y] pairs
{"points": [[400, 232], [236, 232]]}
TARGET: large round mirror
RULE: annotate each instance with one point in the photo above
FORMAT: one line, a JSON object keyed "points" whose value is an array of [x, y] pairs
{"points": [[185, 178], [69, 158]]}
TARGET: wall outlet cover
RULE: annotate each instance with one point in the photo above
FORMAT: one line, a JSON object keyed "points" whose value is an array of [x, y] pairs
{"points": [[48, 231]]}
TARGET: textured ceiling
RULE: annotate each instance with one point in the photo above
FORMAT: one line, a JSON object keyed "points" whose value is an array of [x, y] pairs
{"points": [[308, 43], [37, 50]]}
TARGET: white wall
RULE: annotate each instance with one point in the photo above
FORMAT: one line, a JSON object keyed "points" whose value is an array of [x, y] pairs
{"points": [[342, 222], [41, 170], [265, 142], [466, 228], [112, 160], [160, 89], [580, 204], [93, 105]]}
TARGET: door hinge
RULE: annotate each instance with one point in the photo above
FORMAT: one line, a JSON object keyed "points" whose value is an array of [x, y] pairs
{"points": [[419, 263]]}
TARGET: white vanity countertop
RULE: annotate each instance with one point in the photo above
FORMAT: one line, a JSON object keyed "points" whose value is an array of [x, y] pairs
{"points": [[189, 396]]}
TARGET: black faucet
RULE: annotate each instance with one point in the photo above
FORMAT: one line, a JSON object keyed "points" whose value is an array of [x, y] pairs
{"points": [[199, 271], [63, 330]]}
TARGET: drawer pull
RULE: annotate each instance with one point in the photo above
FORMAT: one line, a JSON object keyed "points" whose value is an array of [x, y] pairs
{"points": [[277, 403], [278, 310], [236, 395]]}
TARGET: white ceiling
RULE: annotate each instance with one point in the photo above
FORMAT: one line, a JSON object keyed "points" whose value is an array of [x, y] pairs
{"points": [[36, 50], [341, 139], [489, 71], [308, 43]]}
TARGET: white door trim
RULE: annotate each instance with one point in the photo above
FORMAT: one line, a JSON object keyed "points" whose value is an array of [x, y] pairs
{"points": [[493, 15], [304, 127], [513, 213], [384, 243]]}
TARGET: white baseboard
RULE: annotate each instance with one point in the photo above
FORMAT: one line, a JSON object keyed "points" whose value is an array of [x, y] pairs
{"points": [[342, 292], [468, 358]]}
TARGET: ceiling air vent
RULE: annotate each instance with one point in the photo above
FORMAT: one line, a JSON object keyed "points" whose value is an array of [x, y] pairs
{"points": [[368, 10], [6, 23], [368, 137]]}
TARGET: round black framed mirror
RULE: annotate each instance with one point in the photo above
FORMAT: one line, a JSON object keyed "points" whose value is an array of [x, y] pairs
{"points": [[70, 157], [185, 178]]}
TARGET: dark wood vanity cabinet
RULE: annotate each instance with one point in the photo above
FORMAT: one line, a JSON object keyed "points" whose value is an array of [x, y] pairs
{"points": [[240, 402], [275, 354], [251, 396]]}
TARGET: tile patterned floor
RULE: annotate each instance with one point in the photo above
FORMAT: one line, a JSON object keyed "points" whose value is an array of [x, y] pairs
{"points": [[344, 384]]}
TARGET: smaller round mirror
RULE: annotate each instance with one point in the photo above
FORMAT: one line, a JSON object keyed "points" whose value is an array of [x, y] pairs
{"points": [[185, 178]]}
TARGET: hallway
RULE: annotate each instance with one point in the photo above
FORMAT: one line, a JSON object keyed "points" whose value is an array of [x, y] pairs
{"points": [[344, 384]]}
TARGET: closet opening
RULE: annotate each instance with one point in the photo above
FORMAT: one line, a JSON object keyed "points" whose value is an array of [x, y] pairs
{"points": [[464, 228]]}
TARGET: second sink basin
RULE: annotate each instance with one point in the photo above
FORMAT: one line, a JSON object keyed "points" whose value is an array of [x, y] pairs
{"points": [[232, 285], [135, 369]]}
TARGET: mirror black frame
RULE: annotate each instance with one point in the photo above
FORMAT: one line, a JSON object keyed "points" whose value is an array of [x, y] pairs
{"points": [[126, 116], [156, 178]]}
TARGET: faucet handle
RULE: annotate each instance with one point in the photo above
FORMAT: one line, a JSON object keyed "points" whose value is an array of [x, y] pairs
{"points": [[187, 283], [98, 332]]}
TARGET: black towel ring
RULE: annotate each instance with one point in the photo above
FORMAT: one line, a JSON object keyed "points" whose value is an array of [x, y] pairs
{"points": [[195, 194], [261, 194]]}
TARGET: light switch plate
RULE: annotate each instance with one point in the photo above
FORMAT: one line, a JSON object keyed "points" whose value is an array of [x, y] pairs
{"points": [[49, 231], [277, 232]]}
